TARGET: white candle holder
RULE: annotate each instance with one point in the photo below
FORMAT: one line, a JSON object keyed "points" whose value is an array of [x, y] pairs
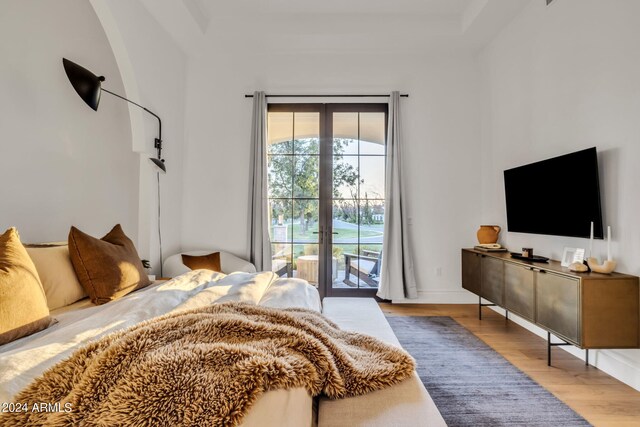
{"points": [[606, 267]]}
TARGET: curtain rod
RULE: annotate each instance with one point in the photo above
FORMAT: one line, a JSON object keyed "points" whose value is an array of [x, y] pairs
{"points": [[404, 95]]}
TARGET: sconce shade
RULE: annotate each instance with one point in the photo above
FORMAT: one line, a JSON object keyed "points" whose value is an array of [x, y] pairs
{"points": [[86, 84], [89, 87], [159, 165]]}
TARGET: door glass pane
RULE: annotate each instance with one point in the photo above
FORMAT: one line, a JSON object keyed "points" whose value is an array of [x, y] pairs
{"points": [[372, 177], [369, 259], [345, 177], [280, 215], [341, 276], [345, 133], [307, 133], [372, 133], [281, 259], [305, 221], [306, 176], [371, 221], [280, 133], [280, 176], [307, 262], [345, 221]]}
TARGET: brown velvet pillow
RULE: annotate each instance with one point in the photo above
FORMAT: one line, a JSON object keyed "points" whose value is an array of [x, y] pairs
{"points": [[108, 268], [23, 304], [208, 262]]}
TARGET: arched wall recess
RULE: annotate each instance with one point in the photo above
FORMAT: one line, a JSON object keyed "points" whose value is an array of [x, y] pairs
{"points": [[140, 142], [127, 74]]}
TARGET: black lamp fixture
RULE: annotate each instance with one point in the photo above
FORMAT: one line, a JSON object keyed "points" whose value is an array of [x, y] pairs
{"points": [[89, 87]]}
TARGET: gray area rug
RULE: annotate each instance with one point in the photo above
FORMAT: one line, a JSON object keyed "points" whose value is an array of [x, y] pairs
{"points": [[473, 385]]}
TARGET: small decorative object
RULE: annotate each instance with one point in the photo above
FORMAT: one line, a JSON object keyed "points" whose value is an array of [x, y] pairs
{"points": [[527, 252], [572, 255], [579, 267], [606, 267], [490, 247], [534, 258], [488, 234], [609, 265]]}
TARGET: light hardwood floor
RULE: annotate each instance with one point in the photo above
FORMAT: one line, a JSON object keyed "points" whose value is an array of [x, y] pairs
{"points": [[599, 398]]}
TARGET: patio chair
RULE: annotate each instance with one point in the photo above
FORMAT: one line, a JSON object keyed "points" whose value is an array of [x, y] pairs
{"points": [[281, 267], [366, 267]]}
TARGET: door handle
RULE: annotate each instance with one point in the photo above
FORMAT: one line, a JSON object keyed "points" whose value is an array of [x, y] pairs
{"points": [[321, 237], [321, 233]]}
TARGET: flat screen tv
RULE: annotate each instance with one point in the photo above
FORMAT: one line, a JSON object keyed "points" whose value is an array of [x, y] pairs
{"points": [[558, 196]]}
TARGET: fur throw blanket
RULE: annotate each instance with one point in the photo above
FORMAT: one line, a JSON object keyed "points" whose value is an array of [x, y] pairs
{"points": [[207, 366]]}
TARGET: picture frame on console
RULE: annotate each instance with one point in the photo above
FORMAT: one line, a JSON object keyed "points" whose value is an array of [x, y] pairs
{"points": [[571, 255]]}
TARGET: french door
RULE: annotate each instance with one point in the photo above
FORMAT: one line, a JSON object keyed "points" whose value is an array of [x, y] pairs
{"points": [[326, 194]]}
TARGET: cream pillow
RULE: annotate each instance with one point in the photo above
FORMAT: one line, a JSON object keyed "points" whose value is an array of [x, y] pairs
{"points": [[56, 273]]}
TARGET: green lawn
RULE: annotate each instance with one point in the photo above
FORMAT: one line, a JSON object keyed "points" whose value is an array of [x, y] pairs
{"points": [[343, 233]]}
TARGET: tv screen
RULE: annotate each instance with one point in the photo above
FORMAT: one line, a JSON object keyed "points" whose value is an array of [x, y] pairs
{"points": [[558, 196]]}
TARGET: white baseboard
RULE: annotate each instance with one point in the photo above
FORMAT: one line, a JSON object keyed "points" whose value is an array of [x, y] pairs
{"points": [[624, 365]]}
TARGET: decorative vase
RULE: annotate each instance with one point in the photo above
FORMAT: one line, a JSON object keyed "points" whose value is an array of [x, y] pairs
{"points": [[606, 267], [488, 234]]}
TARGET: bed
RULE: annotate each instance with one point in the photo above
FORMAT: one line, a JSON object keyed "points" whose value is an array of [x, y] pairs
{"points": [[24, 360]]}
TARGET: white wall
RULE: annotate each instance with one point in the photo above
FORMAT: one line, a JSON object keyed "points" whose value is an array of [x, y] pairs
{"points": [[62, 163], [556, 80], [155, 69], [441, 126]]}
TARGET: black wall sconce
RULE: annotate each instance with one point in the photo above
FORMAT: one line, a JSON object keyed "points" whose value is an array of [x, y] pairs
{"points": [[89, 87]]}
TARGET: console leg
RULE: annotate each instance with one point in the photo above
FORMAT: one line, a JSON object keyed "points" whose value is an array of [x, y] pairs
{"points": [[506, 316], [548, 348], [586, 357], [480, 308], [555, 344]]}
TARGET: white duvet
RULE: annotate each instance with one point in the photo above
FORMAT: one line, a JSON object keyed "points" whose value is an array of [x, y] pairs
{"points": [[25, 359]]}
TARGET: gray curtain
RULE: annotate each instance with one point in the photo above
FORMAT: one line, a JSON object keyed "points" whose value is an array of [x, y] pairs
{"points": [[259, 243], [397, 278]]}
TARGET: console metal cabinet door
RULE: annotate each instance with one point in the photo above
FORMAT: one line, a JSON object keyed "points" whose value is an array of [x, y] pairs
{"points": [[519, 295], [557, 305], [610, 312], [471, 271], [492, 285]]}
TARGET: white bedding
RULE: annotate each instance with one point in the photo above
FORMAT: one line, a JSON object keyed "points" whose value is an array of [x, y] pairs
{"points": [[25, 359]]}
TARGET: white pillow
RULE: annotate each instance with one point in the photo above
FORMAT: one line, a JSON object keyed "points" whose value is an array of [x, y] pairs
{"points": [[57, 275]]}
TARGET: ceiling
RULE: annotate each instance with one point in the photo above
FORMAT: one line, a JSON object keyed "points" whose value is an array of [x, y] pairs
{"points": [[331, 7], [295, 26]]}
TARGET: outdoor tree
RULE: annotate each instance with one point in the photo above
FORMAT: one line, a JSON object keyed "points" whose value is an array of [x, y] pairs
{"points": [[294, 172]]}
